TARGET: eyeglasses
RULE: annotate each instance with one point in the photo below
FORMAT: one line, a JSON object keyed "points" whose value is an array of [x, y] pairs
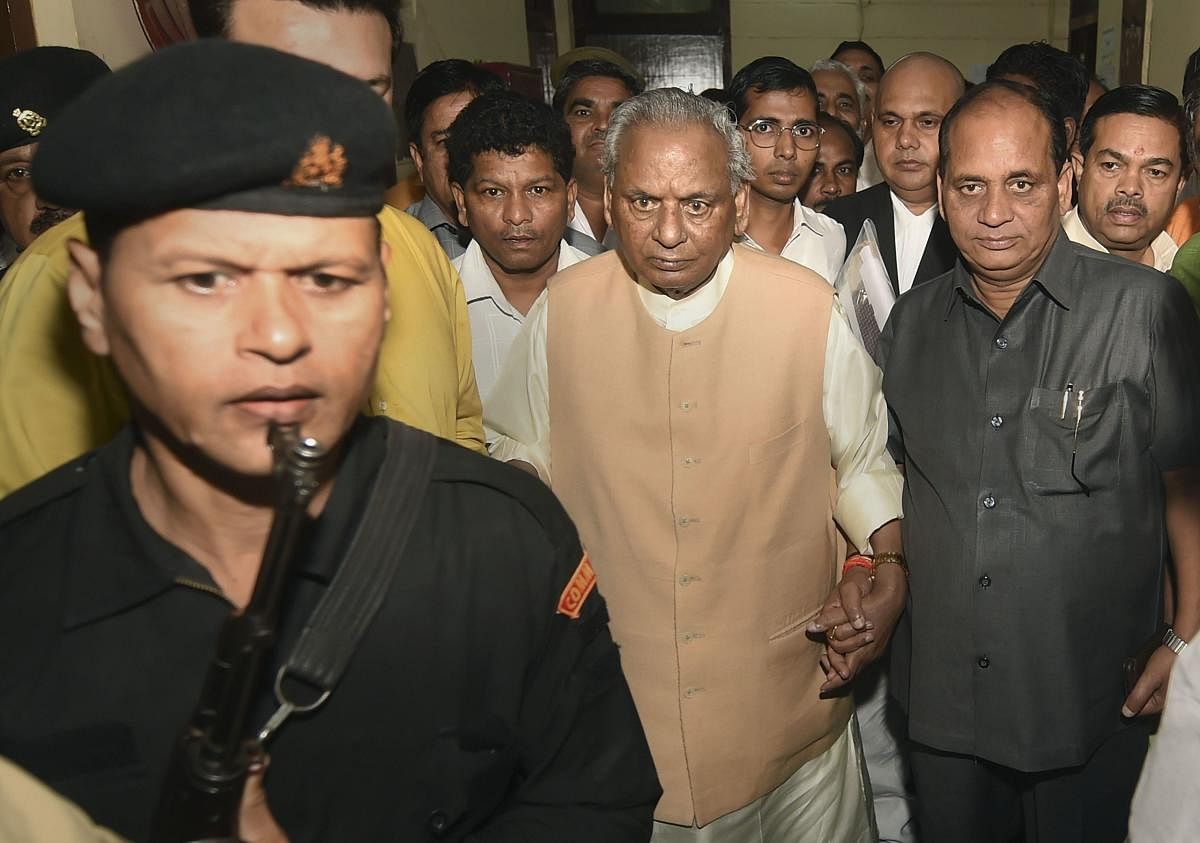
{"points": [[766, 133]]}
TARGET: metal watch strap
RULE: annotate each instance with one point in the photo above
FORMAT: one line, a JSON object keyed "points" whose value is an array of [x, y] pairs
{"points": [[1173, 642]]}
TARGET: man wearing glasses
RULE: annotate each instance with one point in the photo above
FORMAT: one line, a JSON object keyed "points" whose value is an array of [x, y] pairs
{"points": [[776, 106], [34, 85]]}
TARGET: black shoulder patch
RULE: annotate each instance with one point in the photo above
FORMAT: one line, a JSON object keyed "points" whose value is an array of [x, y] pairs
{"points": [[62, 481]]}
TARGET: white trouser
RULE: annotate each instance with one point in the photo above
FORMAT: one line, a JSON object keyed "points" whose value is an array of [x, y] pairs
{"points": [[822, 802], [880, 725]]}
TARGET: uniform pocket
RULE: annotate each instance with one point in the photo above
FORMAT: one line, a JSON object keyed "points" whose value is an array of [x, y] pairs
{"points": [[1096, 440]]}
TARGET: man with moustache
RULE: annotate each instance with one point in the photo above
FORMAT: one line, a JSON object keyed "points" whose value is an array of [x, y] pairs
{"points": [[840, 93], [1134, 154], [34, 87], [590, 88], [248, 291], [1044, 404], [695, 404], [510, 170], [835, 172], [775, 102], [58, 400], [436, 97], [914, 96]]}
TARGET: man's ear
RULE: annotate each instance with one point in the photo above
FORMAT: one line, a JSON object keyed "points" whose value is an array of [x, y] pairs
{"points": [[941, 198], [741, 206], [86, 295], [1066, 182], [460, 204], [414, 152], [608, 217], [572, 193]]}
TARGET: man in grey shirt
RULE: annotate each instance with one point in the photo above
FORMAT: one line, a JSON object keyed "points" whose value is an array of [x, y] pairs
{"points": [[438, 93], [1046, 407]]}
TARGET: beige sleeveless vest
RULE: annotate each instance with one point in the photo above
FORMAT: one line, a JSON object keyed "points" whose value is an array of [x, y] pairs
{"points": [[696, 466]]}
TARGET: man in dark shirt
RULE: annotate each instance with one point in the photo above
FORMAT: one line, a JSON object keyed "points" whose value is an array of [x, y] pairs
{"points": [[486, 700], [1045, 406]]}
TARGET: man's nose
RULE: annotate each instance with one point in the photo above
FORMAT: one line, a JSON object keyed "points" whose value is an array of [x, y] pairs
{"points": [[276, 323]]}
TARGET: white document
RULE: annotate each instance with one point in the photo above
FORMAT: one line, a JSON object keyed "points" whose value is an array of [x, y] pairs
{"points": [[865, 290]]}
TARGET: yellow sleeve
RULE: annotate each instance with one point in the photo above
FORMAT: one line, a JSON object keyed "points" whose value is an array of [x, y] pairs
{"points": [[425, 376], [57, 399]]}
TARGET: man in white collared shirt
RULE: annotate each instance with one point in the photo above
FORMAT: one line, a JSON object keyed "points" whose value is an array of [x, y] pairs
{"points": [[1133, 154], [775, 101], [914, 95], [516, 207]]}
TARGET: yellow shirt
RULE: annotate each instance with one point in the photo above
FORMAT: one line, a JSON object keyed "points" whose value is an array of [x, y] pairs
{"points": [[58, 400]]}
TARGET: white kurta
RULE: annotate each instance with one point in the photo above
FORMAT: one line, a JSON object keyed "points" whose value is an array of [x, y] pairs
{"points": [[817, 242], [1162, 247]]}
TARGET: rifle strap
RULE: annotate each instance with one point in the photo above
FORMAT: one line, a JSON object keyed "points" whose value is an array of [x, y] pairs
{"points": [[333, 632]]}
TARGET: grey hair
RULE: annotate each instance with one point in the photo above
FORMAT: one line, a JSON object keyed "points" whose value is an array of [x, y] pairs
{"points": [[672, 107], [860, 88]]}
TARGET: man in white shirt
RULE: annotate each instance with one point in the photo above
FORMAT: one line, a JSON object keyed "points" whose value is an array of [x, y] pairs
{"points": [[585, 96], [695, 404], [914, 95], [1134, 153], [510, 171], [775, 101]]}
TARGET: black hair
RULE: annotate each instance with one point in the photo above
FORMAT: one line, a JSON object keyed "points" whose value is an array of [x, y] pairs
{"points": [[830, 123], [577, 71], [1060, 75], [507, 123], [986, 90], [211, 18], [1144, 101], [716, 95], [860, 45], [442, 78], [769, 73], [1191, 99]]}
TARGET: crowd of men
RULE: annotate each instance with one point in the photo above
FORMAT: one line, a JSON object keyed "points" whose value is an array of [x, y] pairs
{"points": [[668, 553]]}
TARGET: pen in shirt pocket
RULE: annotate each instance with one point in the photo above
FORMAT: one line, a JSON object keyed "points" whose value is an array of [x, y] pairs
{"points": [[1066, 398]]}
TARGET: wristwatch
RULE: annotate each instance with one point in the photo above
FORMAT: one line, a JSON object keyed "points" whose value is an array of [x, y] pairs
{"points": [[1173, 642]]}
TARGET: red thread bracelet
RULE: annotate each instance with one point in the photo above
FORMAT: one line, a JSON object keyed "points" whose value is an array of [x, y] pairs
{"points": [[858, 560]]}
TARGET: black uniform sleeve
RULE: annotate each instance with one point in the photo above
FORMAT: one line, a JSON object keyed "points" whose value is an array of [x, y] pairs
{"points": [[589, 773]]}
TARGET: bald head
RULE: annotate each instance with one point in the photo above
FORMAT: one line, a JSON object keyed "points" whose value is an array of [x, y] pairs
{"points": [[914, 97], [925, 69]]}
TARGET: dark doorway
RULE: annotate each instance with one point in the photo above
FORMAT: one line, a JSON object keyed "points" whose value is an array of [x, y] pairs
{"points": [[680, 43], [543, 40], [16, 27]]}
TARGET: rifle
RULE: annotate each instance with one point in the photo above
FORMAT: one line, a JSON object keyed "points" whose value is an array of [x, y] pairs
{"points": [[202, 793]]}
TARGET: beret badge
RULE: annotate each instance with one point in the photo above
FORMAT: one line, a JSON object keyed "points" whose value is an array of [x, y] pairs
{"points": [[321, 167], [29, 121]]}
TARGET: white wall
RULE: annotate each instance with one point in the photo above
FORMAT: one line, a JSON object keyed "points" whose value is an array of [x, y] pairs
{"points": [[476, 30], [1174, 35]]}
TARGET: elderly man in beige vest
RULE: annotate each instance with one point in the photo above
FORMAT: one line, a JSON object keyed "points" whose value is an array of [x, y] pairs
{"points": [[709, 420]]}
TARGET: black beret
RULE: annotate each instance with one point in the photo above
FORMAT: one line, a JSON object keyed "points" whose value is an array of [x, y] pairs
{"points": [[225, 126], [36, 84]]}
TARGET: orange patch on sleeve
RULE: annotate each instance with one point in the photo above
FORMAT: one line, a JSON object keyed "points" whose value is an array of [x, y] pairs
{"points": [[582, 583]]}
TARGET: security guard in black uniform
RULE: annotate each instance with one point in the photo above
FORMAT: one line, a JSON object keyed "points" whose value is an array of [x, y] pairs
{"points": [[235, 278]]}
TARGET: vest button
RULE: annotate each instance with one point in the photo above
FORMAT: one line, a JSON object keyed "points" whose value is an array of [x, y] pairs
{"points": [[984, 662], [1002, 342], [989, 502], [985, 581], [997, 421], [383, 406]]}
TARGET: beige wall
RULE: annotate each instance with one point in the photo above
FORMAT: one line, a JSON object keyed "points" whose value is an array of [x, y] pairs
{"points": [[476, 30], [968, 32], [1174, 35], [109, 28]]}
